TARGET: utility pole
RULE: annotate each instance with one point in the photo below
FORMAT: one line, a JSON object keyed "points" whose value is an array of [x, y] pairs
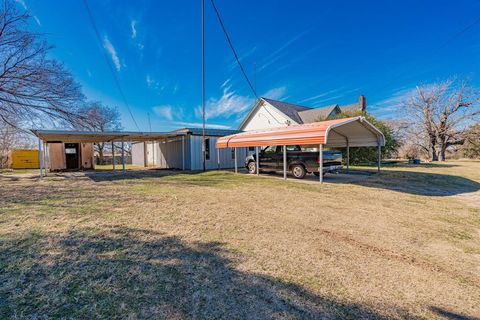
{"points": [[203, 85]]}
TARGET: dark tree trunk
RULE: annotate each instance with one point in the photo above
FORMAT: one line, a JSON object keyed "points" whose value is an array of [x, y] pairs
{"points": [[441, 154], [433, 149], [100, 153]]}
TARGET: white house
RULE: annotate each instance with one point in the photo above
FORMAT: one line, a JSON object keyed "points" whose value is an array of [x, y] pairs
{"points": [[268, 113]]}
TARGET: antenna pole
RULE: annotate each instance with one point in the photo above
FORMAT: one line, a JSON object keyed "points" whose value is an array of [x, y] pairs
{"points": [[203, 85]]}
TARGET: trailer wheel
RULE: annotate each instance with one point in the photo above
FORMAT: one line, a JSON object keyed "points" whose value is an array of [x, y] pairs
{"points": [[298, 171]]}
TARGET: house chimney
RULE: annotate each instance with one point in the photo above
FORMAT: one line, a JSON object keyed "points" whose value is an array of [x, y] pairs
{"points": [[362, 102]]}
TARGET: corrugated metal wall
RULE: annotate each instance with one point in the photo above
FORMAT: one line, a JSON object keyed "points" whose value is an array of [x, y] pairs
{"points": [[138, 158], [226, 155], [168, 154]]}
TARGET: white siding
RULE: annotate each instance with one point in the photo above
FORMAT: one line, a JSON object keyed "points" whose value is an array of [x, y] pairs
{"points": [[266, 116]]}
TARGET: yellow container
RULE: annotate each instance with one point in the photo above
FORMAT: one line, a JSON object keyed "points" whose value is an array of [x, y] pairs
{"points": [[24, 159]]}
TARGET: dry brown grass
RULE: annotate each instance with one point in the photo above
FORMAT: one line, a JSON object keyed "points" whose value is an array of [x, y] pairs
{"points": [[403, 244]]}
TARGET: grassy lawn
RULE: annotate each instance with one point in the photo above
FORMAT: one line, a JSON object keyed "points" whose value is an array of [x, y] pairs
{"points": [[153, 244]]}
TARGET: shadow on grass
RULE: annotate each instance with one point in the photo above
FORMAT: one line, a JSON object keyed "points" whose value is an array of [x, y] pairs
{"points": [[451, 315], [128, 273], [420, 183]]}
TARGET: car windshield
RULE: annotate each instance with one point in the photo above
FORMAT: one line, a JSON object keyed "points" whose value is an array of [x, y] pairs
{"points": [[270, 149]]}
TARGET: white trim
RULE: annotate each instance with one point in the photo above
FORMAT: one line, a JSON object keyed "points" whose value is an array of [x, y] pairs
{"points": [[362, 120]]}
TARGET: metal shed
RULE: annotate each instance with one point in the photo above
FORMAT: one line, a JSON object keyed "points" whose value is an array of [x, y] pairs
{"points": [[348, 132], [164, 153]]}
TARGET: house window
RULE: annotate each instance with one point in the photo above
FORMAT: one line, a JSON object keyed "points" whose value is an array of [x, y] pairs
{"points": [[207, 149]]}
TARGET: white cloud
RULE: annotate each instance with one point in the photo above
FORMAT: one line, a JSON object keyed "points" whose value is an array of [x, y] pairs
{"points": [[37, 21], [165, 111], [176, 88], [133, 26], [24, 6], [154, 84], [199, 125], [22, 3], [277, 54], [150, 82], [113, 53], [275, 93], [229, 104], [318, 96], [393, 105], [233, 62]]}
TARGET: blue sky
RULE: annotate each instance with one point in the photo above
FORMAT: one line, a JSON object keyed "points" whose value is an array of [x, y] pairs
{"points": [[308, 52]]}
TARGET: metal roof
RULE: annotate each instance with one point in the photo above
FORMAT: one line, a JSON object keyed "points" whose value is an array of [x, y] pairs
{"points": [[355, 132], [313, 115], [209, 131], [289, 109], [106, 136]]}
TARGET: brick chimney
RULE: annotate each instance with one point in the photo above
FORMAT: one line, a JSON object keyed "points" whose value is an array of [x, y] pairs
{"points": [[362, 102]]}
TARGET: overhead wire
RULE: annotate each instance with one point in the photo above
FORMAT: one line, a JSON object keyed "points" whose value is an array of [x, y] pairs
{"points": [[230, 43], [107, 61]]}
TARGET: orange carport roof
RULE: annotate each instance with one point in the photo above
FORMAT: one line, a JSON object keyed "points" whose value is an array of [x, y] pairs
{"points": [[355, 132]]}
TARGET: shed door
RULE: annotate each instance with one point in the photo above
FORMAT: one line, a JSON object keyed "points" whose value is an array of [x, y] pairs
{"points": [[71, 155]]}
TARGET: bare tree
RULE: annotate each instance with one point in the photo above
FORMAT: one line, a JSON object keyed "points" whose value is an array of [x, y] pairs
{"points": [[98, 117], [471, 147], [438, 115], [33, 87], [11, 138]]}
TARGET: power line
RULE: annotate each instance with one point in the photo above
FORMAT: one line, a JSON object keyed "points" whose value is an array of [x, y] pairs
{"points": [[443, 45], [204, 147], [110, 67], [233, 48]]}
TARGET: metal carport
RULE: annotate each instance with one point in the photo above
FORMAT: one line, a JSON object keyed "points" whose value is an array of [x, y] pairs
{"points": [[348, 132], [46, 136]]}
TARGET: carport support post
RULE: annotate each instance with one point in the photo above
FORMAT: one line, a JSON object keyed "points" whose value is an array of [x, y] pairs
{"points": [[257, 159], [123, 156], [285, 162], [235, 156], [113, 155], [45, 158], [348, 156], [183, 153], [40, 157], [379, 157], [218, 158], [320, 163]]}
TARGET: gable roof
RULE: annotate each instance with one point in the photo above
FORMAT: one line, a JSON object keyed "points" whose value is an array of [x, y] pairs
{"points": [[289, 109], [302, 114], [313, 115], [351, 108]]}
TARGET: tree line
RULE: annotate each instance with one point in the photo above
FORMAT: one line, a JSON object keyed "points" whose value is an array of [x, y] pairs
{"points": [[431, 121], [37, 90]]}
